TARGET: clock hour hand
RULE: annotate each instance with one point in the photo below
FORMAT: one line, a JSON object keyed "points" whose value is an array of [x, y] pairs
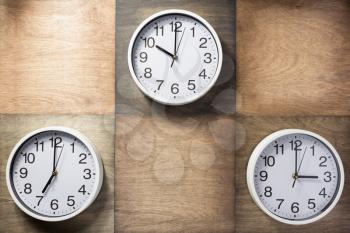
{"points": [[165, 51], [307, 177], [54, 173]]}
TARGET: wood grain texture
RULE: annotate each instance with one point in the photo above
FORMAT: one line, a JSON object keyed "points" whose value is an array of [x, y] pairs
{"points": [[293, 57], [97, 218], [250, 131], [220, 14], [175, 165], [57, 56]]}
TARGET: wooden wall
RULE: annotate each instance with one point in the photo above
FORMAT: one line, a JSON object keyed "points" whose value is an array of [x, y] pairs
{"points": [[57, 68], [175, 165], [174, 169]]}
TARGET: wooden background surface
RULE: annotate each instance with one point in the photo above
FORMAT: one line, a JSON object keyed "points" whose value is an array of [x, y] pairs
{"points": [[175, 165], [176, 169]]}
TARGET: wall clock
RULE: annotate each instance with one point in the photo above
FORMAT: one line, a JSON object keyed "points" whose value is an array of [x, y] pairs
{"points": [[175, 57], [54, 173], [295, 176]]}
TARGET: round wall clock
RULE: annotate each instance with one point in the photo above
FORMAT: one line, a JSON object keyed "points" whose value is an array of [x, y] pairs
{"points": [[175, 57], [54, 173], [295, 176]]}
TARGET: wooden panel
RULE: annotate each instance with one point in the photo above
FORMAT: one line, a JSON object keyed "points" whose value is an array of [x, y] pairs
{"points": [[57, 56], [221, 15], [175, 165], [174, 177], [293, 57], [97, 218], [251, 130]]}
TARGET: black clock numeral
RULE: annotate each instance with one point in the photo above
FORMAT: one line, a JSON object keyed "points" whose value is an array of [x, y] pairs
{"points": [[149, 42], [328, 177], [54, 204], [281, 201], [268, 191], [311, 204], [263, 175], [29, 158], [269, 161], [203, 43], [208, 58], [295, 144], [295, 207], [73, 147], [323, 160], [143, 57], [175, 88], [160, 83], [82, 157], [192, 29], [203, 74], [28, 188], [313, 150], [55, 141], [191, 85], [39, 145], [70, 201], [87, 174], [148, 73], [159, 30], [40, 199], [279, 148], [82, 189], [175, 26], [23, 172], [323, 193]]}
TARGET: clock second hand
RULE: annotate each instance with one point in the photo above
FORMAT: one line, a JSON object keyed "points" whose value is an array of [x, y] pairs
{"points": [[296, 176], [54, 173], [177, 49]]}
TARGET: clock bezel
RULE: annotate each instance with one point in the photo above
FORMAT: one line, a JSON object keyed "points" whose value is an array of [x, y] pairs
{"points": [[97, 185], [251, 167], [169, 12]]}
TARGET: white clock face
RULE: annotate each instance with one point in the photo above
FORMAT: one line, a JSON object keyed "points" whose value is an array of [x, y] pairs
{"points": [[175, 57], [54, 173], [295, 176]]}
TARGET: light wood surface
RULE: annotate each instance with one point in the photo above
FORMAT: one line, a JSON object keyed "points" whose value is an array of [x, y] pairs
{"points": [[251, 130], [175, 165], [57, 56], [97, 218], [293, 57]]}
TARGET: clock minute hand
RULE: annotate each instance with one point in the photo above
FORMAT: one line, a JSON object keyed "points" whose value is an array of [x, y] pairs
{"points": [[54, 173], [177, 49]]}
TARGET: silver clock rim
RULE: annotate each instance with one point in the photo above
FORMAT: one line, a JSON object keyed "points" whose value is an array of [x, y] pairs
{"points": [[97, 185], [251, 166], [167, 12]]}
